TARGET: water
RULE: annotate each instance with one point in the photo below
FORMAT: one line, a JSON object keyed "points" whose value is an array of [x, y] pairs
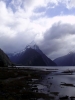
{"points": [[61, 81]]}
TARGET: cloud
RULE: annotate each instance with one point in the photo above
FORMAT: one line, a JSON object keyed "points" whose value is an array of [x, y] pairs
{"points": [[58, 40], [70, 4], [22, 21], [14, 29]]}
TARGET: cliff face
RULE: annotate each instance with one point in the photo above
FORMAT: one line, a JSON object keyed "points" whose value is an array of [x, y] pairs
{"points": [[4, 60]]}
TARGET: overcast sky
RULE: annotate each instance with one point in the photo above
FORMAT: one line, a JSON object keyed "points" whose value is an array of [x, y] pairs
{"points": [[50, 23]]}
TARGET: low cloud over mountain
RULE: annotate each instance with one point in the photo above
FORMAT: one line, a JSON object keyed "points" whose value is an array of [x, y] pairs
{"points": [[50, 23]]}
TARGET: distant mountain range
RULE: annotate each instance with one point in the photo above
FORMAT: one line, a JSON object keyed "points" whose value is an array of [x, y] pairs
{"points": [[4, 60], [31, 56], [67, 60]]}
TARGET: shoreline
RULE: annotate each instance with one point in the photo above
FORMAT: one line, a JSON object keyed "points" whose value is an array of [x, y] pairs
{"points": [[34, 84]]}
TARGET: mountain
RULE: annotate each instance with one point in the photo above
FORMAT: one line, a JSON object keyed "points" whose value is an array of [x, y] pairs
{"points": [[4, 60], [67, 60], [31, 56]]}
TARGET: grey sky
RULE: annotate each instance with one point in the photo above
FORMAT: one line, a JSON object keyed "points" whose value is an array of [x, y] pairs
{"points": [[50, 23]]}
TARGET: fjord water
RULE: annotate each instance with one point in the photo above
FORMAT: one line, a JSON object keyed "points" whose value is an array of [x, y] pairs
{"points": [[61, 81]]}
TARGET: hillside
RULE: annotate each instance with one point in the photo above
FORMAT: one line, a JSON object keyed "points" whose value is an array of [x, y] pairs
{"points": [[4, 59], [67, 60]]}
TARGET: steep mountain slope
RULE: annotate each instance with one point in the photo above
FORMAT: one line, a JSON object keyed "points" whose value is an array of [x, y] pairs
{"points": [[48, 61], [4, 59], [32, 56], [67, 60]]}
